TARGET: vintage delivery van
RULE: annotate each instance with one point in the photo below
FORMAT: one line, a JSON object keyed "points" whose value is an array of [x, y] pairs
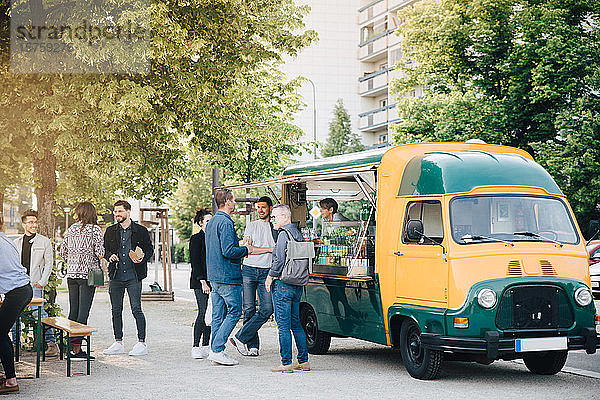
{"points": [[457, 251]]}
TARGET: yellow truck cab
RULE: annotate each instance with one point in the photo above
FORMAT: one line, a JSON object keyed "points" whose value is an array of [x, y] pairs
{"points": [[460, 251]]}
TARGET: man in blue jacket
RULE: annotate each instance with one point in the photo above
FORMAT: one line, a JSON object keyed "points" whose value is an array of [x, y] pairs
{"points": [[223, 265]]}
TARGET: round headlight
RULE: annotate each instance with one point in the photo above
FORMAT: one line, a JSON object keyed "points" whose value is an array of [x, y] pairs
{"points": [[486, 298], [583, 296]]}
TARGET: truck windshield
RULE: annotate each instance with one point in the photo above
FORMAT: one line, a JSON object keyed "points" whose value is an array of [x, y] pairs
{"points": [[477, 219]]}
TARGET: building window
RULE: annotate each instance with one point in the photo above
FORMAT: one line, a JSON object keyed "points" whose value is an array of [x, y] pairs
{"points": [[395, 56], [383, 66], [383, 103], [383, 138]]}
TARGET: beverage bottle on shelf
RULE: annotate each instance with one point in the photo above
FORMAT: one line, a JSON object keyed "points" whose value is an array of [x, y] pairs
{"points": [[364, 212]]}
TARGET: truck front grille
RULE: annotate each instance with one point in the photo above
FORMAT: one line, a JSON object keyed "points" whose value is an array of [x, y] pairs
{"points": [[534, 307]]}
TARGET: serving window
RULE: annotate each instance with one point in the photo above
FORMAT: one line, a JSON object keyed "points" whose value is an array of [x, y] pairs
{"points": [[345, 245]]}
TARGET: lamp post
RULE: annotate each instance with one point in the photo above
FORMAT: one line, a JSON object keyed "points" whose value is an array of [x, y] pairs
{"points": [[314, 90]]}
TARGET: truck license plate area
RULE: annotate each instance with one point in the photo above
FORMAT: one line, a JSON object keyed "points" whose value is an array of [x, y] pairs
{"points": [[540, 344]]}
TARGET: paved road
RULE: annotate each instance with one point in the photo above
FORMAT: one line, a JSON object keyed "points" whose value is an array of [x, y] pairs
{"points": [[576, 360], [353, 369]]}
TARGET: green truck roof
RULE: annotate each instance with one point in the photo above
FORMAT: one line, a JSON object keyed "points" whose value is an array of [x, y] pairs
{"points": [[462, 171], [439, 172], [344, 161]]}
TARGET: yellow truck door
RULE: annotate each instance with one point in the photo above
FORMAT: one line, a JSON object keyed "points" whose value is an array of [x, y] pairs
{"points": [[421, 267]]}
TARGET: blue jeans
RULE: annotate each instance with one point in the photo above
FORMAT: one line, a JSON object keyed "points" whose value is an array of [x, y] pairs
{"points": [[253, 283], [116, 290], [49, 335], [286, 299], [226, 312]]}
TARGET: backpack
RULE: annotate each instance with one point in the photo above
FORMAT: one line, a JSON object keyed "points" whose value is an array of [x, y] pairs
{"points": [[298, 262]]}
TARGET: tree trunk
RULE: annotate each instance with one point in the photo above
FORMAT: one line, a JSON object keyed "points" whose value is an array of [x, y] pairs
{"points": [[45, 189]]}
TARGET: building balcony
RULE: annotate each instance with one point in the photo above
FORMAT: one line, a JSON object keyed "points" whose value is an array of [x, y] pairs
{"points": [[393, 38], [373, 48], [396, 4], [374, 84], [371, 10], [377, 119]]}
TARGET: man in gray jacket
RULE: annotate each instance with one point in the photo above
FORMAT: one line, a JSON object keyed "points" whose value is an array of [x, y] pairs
{"points": [[286, 297], [37, 256]]}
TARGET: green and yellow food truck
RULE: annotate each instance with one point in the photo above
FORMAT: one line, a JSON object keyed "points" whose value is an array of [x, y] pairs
{"points": [[451, 251]]}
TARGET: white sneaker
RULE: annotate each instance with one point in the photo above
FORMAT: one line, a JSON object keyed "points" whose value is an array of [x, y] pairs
{"points": [[253, 351], [237, 343], [204, 350], [221, 358], [115, 348], [200, 352], [140, 349]]}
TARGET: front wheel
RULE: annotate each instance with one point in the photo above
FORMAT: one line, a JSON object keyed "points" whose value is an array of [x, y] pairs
{"points": [[546, 362], [317, 341], [420, 363]]}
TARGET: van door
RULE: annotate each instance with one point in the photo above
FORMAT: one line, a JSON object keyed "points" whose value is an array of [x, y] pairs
{"points": [[421, 267]]}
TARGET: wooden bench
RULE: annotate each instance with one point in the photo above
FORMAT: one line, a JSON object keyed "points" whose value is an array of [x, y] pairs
{"points": [[72, 329]]}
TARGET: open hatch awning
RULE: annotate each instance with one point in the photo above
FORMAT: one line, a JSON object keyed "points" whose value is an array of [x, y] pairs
{"points": [[308, 177], [343, 184]]}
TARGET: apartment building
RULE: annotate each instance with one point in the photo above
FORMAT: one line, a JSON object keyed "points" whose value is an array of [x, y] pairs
{"points": [[378, 53], [330, 64]]}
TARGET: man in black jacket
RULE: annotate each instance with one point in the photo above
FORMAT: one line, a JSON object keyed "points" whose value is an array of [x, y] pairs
{"points": [[126, 271]]}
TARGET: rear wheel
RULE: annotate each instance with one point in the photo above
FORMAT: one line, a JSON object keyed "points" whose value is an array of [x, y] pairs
{"points": [[545, 362], [317, 341], [420, 363]]}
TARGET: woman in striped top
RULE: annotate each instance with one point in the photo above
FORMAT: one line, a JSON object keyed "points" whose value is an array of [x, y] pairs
{"points": [[82, 249]]}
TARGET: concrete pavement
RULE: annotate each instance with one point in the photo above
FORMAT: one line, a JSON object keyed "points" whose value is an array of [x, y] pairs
{"points": [[352, 369]]}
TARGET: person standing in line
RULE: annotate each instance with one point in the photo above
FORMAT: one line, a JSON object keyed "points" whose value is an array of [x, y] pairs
{"points": [[126, 272], [200, 284], [82, 249], [286, 297], [255, 269], [15, 285], [223, 260], [37, 256]]}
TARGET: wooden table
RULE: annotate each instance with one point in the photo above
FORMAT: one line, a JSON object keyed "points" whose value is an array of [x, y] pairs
{"points": [[39, 303]]}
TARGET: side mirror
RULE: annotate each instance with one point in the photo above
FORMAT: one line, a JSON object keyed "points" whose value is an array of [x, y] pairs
{"points": [[414, 230]]}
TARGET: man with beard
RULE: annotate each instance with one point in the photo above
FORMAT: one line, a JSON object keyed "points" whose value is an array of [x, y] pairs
{"points": [[126, 271], [260, 234]]}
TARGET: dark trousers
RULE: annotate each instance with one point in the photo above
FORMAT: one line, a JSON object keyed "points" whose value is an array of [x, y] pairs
{"points": [[81, 297], [116, 289], [201, 330], [14, 303]]}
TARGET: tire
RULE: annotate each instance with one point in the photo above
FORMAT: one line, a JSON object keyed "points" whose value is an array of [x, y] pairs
{"points": [[420, 363], [546, 362], [317, 341]]}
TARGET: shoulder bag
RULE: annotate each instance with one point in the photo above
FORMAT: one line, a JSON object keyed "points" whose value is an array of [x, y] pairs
{"points": [[95, 273], [298, 262]]}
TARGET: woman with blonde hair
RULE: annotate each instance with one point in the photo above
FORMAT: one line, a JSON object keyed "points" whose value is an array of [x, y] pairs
{"points": [[82, 249]]}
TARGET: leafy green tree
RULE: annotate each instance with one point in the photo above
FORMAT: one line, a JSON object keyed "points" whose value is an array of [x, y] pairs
{"points": [[193, 193], [341, 139], [518, 73], [127, 131], [261, 137]]}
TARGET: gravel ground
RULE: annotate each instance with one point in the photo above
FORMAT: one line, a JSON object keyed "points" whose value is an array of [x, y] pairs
{"points": [[352, 369]]}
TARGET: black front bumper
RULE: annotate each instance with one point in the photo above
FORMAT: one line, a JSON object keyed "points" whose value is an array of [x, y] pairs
{"points": [[494, 347]]}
